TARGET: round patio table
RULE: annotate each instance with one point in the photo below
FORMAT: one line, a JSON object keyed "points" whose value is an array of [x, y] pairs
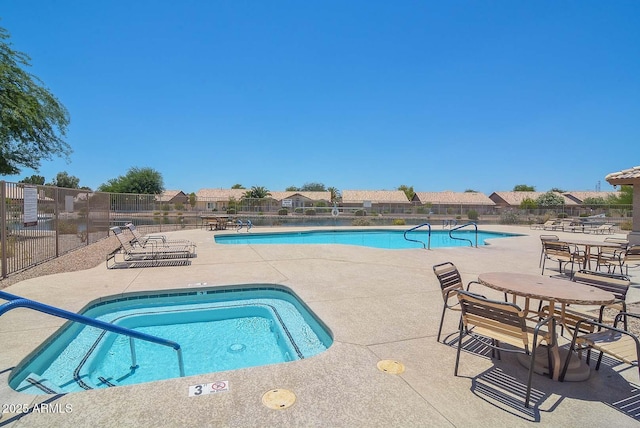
{"points": [[553, 291]]}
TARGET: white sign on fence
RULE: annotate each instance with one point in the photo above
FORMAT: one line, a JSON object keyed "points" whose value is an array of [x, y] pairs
{"points": [[287, 202], [30, 199]]}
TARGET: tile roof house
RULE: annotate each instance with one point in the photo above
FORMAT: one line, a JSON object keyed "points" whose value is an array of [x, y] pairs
{"points": [[453, 198], [514, 199], [381, 200], [579, 196], [218, 199], [172, 197]]}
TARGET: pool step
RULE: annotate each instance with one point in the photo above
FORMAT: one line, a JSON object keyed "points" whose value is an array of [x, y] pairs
{"points": [[34, 384]]}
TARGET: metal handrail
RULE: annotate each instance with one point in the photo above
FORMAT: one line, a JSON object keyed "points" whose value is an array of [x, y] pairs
{"points": [[20, 302], [465, 239], [425, 246]]}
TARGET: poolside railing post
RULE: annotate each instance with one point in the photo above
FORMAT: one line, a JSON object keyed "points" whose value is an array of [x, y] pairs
{"points": [[180, 362], [134, 361]]}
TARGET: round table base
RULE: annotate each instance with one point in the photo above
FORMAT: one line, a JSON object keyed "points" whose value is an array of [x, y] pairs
{"points": [[578, 370]]}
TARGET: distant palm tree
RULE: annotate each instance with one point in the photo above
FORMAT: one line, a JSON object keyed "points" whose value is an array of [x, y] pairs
{"points": [[335, 194], [257, 192]]}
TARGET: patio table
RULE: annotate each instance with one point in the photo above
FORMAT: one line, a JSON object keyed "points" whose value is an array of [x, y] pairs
{"points": [[588, 244], [554, 291]]}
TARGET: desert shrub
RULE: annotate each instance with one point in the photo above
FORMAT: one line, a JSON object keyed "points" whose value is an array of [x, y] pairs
{"points": [[626, 225], [360, 222], [508, 217], [298, 210], [399, 222], [67, 228], [472, 215], [231, 211], [283, 211], [310, 212], [360, 213]]}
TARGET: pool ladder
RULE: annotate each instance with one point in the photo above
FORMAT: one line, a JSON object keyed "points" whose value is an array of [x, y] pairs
{"points": [[20, 302], [426, 246], [465, 239]]}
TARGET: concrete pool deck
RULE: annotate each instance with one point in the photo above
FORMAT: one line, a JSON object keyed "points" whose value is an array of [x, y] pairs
{"points": [[379, 304]]}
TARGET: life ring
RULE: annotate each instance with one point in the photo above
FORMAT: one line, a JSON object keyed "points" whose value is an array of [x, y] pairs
{"points": [[335, 212]]}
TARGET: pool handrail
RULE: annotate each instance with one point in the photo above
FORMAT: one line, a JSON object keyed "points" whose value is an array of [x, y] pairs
{"points": [[465, 239], [21, 302], [425, 246]]}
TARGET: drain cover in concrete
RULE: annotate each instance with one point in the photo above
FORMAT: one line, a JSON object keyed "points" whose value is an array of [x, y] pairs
{"points": [[390, 366], [278, 399]]}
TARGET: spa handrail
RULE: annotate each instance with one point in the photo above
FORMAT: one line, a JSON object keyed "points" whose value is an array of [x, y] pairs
{"points": [[20, 302], [465, 239], [425, 246]]}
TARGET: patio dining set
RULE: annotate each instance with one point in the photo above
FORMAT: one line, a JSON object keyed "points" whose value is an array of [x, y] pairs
{"points": [[534, 307]]}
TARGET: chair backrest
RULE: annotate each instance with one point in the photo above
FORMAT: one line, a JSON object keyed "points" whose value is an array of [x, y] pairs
{"points": [[623, 242], [134, 231], [556, 248], [616, 284], [632, 253], [126, 245], [549, 238], [449, 277], [505, 320]]}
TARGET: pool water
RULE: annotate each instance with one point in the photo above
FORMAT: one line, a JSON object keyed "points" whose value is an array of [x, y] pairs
{"points": [[377, 238], [217, 329]]}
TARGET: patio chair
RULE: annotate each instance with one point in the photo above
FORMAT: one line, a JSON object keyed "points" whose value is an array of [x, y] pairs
{"points": [[607, 255], [620, 344], [563, 253], [151, 253], [496, 324], [159, 240], [544, 238], [450, 283], [629, 258], [618, 285]]}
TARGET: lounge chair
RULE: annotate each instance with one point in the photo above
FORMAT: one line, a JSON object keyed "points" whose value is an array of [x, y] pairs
{"points": [[151, 255], [549, 225], [158, 240], [495, 324], [602, 229]]}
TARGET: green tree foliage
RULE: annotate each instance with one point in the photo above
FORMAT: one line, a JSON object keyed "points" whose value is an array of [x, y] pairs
{"points": [[471, 191], [292, 189], [550, 199], [237, 186], [137, 180], [335, 194], [34, 179], [313, 187], [593, 203], [558, 190], [257, 192], [32, 120], [192, 199], [523, 188], [528, 204], [63, 179], [624, 197], [408, 190]]}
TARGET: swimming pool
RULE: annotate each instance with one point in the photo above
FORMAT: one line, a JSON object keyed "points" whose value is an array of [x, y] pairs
{"points": [[377, 238], [217, 328]]}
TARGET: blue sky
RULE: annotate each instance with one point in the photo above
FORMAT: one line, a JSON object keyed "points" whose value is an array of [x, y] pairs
{"points": [[446, 95]]}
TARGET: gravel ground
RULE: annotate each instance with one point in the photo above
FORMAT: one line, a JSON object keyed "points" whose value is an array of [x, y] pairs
{"points": [[80, 259]]}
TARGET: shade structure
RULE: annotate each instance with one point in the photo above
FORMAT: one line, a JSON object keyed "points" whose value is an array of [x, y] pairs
{"points": [[630, 177]]}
